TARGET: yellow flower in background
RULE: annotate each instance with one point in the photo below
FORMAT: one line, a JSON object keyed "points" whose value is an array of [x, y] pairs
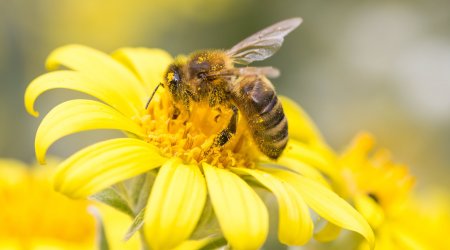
{"points": [[425, 221], [375, 179], [34, 216], [174, 145], [382, 191]]}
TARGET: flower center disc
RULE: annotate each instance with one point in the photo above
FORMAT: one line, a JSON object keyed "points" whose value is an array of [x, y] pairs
{"points": [[190, 135]]}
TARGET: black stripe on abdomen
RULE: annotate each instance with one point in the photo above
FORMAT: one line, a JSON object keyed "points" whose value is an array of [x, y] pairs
{"points": [[257, 101], [270, 129]]}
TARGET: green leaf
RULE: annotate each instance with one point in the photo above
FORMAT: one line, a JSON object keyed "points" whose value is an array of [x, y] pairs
{"points": [[140, 190], [110, 197], [208, 224], [136, 225], [134, 187], [215, 244]]}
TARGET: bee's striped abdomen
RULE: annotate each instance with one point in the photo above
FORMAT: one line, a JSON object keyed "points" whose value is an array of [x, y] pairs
{"points": [[257, 100]]}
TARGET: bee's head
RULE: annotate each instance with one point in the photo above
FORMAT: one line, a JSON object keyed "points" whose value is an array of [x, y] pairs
{"points": [[173, 81]]}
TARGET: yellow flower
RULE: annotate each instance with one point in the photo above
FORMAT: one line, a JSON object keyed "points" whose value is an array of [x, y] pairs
{"points": [[174, 145], [33, 216], [382, 192], [430, 225]]}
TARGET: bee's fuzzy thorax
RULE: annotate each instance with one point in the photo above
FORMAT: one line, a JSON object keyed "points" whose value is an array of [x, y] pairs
{"points": [[208, 61]]}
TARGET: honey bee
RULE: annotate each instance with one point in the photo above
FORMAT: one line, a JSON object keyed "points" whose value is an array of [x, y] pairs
{"points": [[210, 76]]}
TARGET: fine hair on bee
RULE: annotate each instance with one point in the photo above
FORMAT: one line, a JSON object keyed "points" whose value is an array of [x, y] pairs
{"points": [[211, 76]]}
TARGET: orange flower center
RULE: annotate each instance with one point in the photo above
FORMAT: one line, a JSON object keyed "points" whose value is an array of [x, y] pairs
{"points": [[191, 135]]}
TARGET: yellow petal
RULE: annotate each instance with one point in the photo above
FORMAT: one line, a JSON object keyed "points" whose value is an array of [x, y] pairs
{"points": [[101, 68], [301, 127], [242, 215], [175, 204], [79, 115], [311, 156], [194, 244], [371, 210], [77, 81], [405, 239], [302, 168], [103, 164], [328, 233], [295, 224], [328, 204], [148, 64], [309, 143]]}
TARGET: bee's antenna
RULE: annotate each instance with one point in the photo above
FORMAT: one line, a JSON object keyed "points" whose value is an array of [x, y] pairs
{"points": [[153, 94]]}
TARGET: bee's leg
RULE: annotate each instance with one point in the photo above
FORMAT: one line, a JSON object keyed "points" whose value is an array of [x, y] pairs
{"points": [[225, 135], [176, 113], [219, 111]]}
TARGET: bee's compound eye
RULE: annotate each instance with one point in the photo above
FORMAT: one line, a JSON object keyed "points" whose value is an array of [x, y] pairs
{"points": [[174, 78]]}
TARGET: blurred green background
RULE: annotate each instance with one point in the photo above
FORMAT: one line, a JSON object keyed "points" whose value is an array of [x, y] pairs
{"points": [[381, 66]]}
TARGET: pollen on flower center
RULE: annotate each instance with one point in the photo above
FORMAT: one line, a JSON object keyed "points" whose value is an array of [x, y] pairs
{"points": [[190, 135]]}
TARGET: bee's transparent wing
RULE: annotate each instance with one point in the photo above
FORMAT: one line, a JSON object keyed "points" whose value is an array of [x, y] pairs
{"points": [[270, 72], [264, 43]]}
